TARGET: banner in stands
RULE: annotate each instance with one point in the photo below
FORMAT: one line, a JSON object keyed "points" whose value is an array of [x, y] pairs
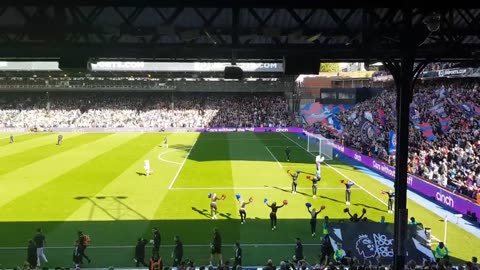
{"points": [[440, 195], [257, 129], [369, 241], [29, 65], [216, 129], [183, 66]]}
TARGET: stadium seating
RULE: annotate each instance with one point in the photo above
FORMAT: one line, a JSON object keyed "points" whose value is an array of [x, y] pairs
{"points": [[153, 110], [444, 143]]}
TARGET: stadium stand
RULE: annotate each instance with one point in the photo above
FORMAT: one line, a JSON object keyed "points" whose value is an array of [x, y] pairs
{"points": [[155, 110], [444, 139]]}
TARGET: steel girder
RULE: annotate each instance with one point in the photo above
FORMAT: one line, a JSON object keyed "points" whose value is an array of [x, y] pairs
{"points": [[149, 30]]}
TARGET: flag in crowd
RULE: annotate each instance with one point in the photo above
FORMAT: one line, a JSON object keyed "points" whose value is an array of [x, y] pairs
{"points": [[392, 145], [427, 131], [381, 117]]}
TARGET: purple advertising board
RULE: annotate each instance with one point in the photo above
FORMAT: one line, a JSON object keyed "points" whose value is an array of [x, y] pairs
{"points": [[439, 194], [253, 129]]}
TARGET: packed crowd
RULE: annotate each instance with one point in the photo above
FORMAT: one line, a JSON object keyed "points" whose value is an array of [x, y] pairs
{"points": [[451, 157], [157, 110]]}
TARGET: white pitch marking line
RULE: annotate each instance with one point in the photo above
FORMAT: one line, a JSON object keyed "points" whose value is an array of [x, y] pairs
{"points": [[254, 188], [279, 165], [433, 237], [339, 172], [119, 247], [171, 151], [181, 166]]}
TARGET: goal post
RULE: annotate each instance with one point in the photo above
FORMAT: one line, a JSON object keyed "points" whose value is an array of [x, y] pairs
{"points": [[319, 146]]}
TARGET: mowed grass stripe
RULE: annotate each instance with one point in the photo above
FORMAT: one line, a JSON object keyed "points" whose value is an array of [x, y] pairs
{"points": [[83, 181], [71, 141], [22, 137], [208, 163], [20, 182], [34, 140], [121, 202]]}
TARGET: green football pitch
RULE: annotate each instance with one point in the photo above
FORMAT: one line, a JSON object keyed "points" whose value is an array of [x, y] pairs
{"points": [[95, 182]]}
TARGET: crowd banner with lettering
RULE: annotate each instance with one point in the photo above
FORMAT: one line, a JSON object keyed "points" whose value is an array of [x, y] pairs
{"points": [[183, 66], [441, 195], [367, 241], [213, 129]]}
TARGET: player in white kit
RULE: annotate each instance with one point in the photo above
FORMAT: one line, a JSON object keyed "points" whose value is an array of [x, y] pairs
{"points": [[146, 166]]}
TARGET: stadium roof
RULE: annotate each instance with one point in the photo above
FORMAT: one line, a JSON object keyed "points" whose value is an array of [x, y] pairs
{"points": [[222, 29]]}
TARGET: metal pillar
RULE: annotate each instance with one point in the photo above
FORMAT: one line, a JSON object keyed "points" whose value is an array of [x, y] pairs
{"points": [[404, 73]]}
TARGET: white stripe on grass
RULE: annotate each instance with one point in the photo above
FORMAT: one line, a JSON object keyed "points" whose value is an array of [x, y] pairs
{"points": [[181, 166], [273, 156], [160, 156], [339, 172]]}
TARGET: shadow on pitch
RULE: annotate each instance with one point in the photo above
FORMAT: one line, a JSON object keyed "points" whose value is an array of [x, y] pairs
{"points": [[113, 206], [203, 212], [288, 191], [331, 199], [370, 207], [141, 174]]}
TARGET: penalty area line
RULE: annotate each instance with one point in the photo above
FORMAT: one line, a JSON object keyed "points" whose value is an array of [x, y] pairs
{"points": [[339, 172], [279, 165], [181, 166]]}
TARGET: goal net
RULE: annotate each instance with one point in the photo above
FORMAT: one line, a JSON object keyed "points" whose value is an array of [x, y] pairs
{"points": [[319, 146]]}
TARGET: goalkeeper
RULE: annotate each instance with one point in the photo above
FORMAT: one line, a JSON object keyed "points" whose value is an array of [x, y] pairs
{"points": [[287, 153]]}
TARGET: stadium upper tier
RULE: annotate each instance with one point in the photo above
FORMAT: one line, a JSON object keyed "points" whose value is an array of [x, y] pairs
{"points": [[153, 110], [444, 143]]}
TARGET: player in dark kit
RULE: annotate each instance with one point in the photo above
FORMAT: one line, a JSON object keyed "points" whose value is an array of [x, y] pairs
{"points": [[177, 253], [287, 153], [294, 180], [83, 243], [60, 139], [313, 217], [348, 190], [165, 142], [77, 255], [140, 252], [238, 256], [156, 242], [273, 214], [391, 198], [11, 138], [32, 254], [216, 246]]}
